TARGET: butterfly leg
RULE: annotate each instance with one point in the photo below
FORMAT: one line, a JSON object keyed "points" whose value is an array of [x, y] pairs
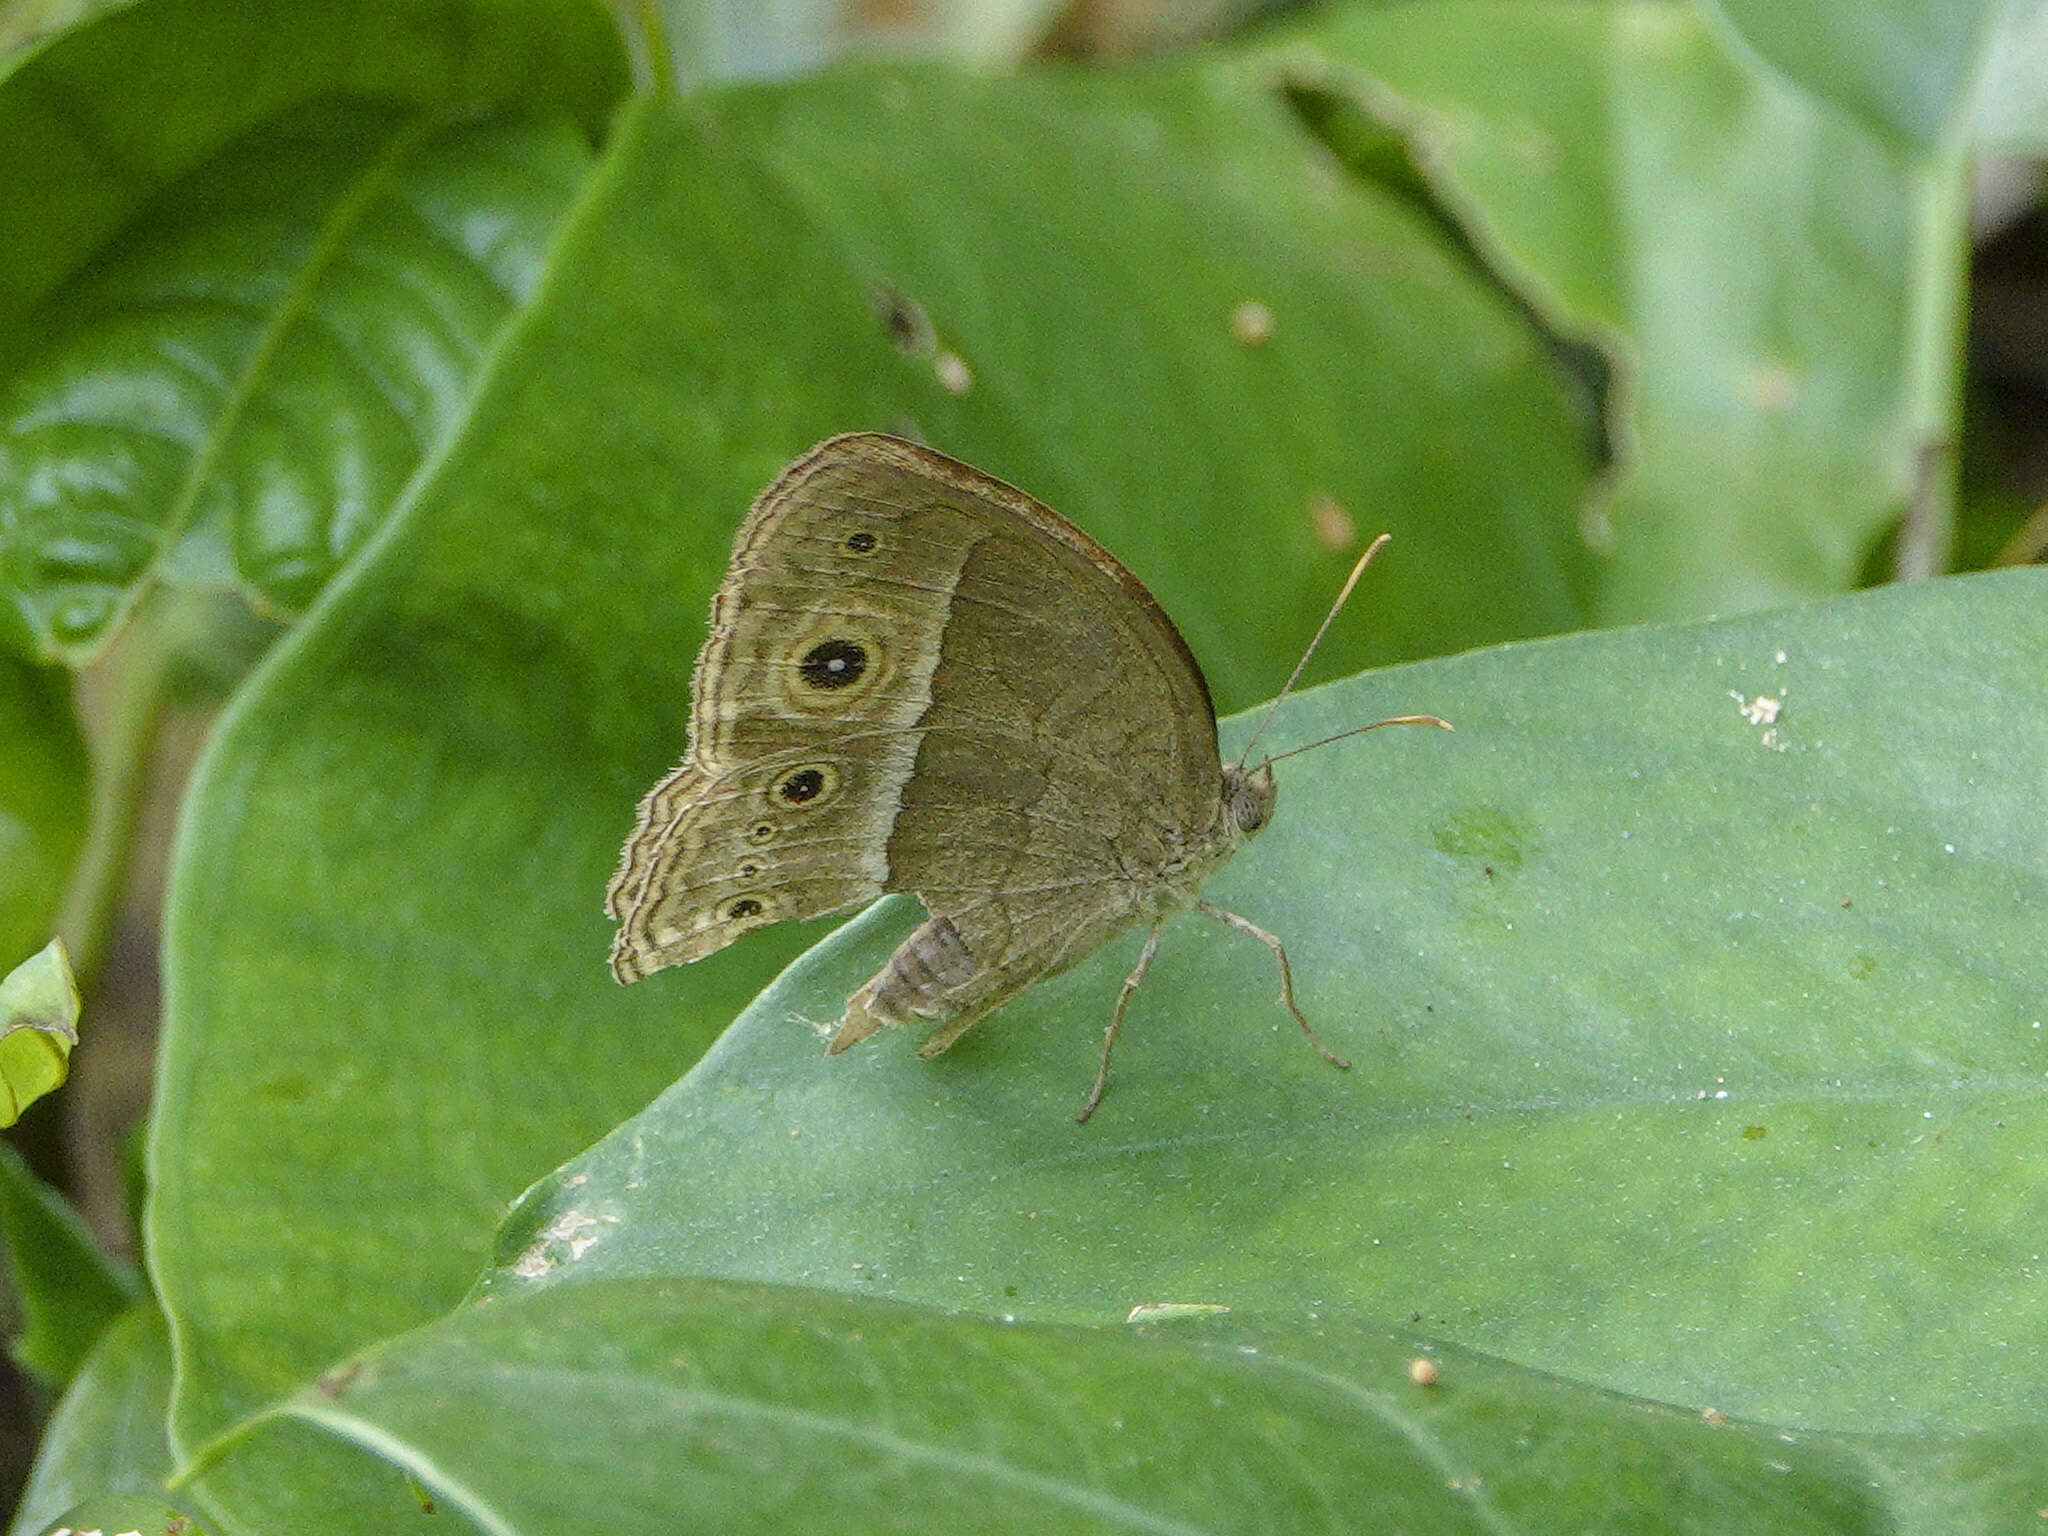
{"points": [[1116, 1020], [1246, 925]]}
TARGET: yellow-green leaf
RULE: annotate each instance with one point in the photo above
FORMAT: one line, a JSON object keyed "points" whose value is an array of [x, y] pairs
{"points": [[38, 1028]]}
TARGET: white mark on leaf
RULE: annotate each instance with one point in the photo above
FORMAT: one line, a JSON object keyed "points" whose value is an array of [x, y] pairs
{"points": [[573, 1230], [1762, 710]]}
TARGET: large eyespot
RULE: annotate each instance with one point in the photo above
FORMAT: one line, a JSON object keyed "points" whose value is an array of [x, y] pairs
{"points": [[812, 784], [830, 665], [833, 664], [862, 543], [741, 908]]}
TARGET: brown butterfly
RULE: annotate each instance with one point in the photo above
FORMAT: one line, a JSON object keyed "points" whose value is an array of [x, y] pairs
{"points": [[920, 679]]}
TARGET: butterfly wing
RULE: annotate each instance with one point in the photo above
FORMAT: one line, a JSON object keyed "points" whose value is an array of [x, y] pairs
{"points": [[921, 679], [803, 706], [1067, 772]]}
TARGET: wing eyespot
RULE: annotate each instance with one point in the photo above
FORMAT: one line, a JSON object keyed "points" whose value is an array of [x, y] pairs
{"points": [[833, 664], [810, 785]]}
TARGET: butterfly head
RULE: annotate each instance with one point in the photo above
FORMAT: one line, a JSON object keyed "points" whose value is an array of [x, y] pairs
{"points": [[1248, 796]]}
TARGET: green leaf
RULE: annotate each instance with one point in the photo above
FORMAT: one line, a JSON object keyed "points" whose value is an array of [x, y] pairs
{"points": [[236, 394], [387, 1006], [1908, 68], [43, 799], [70, 1289], [1664, 887], [651, 1404], [99, 121], [106, 1437], [1744, 254], [38, 1028]]}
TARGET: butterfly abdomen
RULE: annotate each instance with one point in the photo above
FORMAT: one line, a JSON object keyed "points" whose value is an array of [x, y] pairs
{"points": [[932, 962], [922, 979]]}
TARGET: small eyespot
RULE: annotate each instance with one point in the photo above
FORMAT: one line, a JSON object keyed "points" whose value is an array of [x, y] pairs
{"points": [[761, 832], [833, 664], [804, 784], [861, 543], [748, 871], [746, 906]]}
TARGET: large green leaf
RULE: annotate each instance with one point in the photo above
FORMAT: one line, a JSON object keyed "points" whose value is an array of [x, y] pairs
{"points": [[387, 1003], [1652, 1108], [105, 1458], [237, 392], [256, 253], [1743, 252], [99, 120], [706, 1407], [1082, 241], [1697, 1005]]}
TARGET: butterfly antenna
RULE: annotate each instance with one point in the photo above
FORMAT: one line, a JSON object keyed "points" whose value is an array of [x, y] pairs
{"points": [[1343, 596], [1360, 730]]}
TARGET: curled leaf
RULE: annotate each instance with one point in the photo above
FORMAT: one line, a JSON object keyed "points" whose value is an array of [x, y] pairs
{"points": [[38, 1028]]}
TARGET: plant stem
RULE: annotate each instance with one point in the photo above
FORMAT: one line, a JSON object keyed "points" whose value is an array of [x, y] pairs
{"points": [[646, 32], [120, 699], [1937, 307]]}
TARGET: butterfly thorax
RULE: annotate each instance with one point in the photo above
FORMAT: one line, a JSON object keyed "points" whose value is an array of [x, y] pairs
{"points": [[1247, 805]]}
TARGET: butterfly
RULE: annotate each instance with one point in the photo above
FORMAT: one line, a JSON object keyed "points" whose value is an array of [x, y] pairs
{"points": [[919, 678]]}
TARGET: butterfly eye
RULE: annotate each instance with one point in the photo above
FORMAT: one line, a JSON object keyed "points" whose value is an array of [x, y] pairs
{"points": [[861, 543], [1249, 797]]}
